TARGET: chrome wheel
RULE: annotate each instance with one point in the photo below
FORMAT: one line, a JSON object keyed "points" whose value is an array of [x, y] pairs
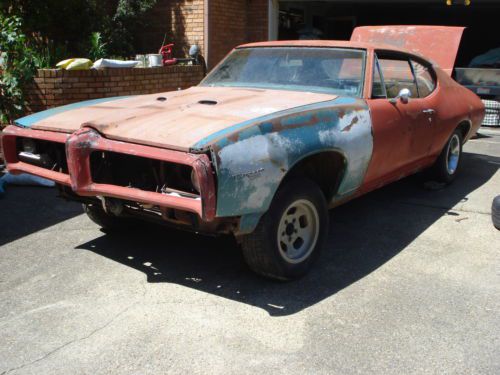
{"points": [[453, 154], [298, 231]]}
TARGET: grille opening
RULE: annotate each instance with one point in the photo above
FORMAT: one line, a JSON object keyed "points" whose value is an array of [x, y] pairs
{"points": [[46, 154], [142, 173]]}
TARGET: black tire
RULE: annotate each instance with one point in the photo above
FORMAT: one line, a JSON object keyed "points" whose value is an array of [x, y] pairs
{"points": [[495, 212], [262, 249], [106, 221], [444, 170]]}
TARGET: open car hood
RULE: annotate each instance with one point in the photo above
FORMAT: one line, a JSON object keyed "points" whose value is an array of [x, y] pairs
{"points": [[437, 43], [176, 120]]}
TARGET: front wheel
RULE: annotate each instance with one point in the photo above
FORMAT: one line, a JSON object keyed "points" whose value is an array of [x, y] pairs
{"points": [[291, 234], [447, 165], [106, 221]]}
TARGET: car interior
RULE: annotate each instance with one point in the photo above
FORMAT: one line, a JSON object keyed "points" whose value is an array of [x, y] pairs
{"points": [[394, 73]]}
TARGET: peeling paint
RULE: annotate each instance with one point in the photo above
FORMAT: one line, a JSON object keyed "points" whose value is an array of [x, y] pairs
{"points": [[274, 144]]}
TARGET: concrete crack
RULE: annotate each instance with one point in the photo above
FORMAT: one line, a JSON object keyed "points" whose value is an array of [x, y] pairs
{"points": [[108, 323], [436, 207], [444, 208]]}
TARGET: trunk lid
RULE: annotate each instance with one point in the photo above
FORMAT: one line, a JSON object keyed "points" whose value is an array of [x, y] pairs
{"points": [[437, 43]]}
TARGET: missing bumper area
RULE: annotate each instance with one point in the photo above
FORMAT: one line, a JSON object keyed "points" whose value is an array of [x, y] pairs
{"points": [[142, 173], [87, 166], [44, 154]]}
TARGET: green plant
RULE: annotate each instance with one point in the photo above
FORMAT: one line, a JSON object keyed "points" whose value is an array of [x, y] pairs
{"points": [[66, 23], [46, 53], [65, 26], [97, 47], [127, 22], [17, 66]]}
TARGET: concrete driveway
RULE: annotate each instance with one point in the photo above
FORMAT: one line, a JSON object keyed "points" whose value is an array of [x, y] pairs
{"points": [[409, 284]]}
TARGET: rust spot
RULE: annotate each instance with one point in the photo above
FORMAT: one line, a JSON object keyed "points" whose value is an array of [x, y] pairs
{"points": [[277, 124], [277, 163], [233, 138], [353, 122], [345, 109]]}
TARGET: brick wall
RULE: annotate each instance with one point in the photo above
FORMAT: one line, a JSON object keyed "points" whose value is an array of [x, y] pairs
{"points": [[182, 22], [52, 88], [231, 22], [235, 22], [257, 21], [227, 29]]}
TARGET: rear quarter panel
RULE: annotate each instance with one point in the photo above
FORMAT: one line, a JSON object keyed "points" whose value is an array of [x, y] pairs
{"points": [[454, 104]]}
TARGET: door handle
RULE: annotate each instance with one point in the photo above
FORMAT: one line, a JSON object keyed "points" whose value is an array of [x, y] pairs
{"points": [[429, 111]]}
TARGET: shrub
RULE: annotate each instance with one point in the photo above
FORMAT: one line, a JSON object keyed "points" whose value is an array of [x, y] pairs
{"points": [[70, 24], [97, 47], [126, 23], [17, 65]]}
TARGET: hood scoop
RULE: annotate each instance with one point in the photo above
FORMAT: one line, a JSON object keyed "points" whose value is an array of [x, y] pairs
{"points": [[207, 102]]}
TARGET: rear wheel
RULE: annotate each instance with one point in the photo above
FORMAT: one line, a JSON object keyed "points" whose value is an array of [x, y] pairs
{"points": [[448, 163], [291, 234]]}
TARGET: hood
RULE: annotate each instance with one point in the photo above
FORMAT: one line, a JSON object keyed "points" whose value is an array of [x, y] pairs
{"points": [[437, 43], [176, 119]]}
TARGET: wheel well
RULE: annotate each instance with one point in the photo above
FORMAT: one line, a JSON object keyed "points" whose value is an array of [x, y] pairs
{"points": [[326, 169], [464, 128]]}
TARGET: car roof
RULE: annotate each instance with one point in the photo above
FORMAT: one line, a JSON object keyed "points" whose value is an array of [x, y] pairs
{"points": [[337, 44], [326, 43]]}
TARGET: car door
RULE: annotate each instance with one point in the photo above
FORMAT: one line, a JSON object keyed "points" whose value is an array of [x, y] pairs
{"points": [[425, 123], [401, 129]]}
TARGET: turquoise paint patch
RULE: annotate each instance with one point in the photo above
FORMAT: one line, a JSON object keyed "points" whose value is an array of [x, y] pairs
{"points": [[251, 168], [250, 132], [30, 120], [299, 141], [266, 127], [258, 120]]}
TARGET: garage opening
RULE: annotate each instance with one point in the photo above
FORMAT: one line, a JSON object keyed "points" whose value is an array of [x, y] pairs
{"points": [[336, 19], [479, 48]]}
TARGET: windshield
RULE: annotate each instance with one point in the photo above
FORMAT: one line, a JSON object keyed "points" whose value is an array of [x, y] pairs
{"points": [[327, 70]]}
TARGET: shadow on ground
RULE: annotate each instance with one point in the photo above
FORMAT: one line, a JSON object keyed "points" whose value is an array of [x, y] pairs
{"points": [[29, 209], [364, 235]]}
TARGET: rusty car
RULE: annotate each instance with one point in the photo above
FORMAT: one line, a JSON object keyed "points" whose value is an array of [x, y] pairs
{"points": [[274, 136]]}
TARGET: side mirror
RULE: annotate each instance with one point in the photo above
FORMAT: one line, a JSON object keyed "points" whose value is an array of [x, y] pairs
{"points": [[404, 95]]}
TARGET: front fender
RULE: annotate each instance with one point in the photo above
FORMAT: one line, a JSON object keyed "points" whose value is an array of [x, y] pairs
{"points": [[252, 160]]}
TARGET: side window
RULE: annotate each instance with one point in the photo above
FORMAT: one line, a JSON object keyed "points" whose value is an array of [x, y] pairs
{"points": [[398, 75], [378, 89], [425, 79]]}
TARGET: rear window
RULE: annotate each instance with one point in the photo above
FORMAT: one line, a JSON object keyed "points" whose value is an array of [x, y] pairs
{"points": [[425, 79]]}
